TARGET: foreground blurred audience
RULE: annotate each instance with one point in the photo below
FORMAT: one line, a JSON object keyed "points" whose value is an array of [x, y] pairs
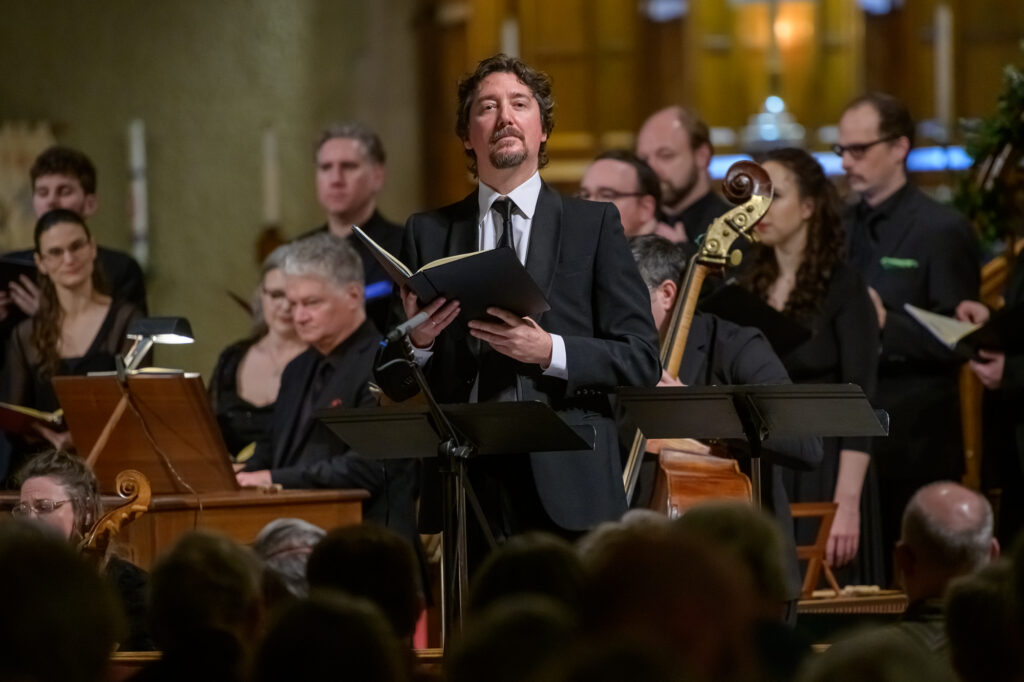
{"points": [[59, 491], [374, 563], [874, 656], [529, 564], [331, 636], [947, 532], [984, 636], [60, 621], [206, 610], [284, 546], [245, 381]]}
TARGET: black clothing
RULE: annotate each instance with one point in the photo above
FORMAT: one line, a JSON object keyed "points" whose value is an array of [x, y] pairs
{"points": [[720, 353], [924, 624], [379, 285], [698, 216], [843, 350], [600, 307], [121, 272], [21, 383], [1003, 446], [131, 584], [240, 422], [911, 249], [302, 452]]}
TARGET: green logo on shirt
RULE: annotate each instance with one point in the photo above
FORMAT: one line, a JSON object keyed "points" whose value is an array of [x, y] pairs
{"points": [[889, 263]]}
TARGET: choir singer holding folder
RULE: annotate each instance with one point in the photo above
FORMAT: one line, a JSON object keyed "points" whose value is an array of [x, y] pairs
{"points": [[597, 334]]}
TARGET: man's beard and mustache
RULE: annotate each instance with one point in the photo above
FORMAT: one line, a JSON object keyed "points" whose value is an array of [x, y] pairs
{"points": [[503, 157], [672, 195]]}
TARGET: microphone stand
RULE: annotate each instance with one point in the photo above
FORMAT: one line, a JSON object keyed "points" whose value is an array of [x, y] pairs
{"points": [[453, 452]]}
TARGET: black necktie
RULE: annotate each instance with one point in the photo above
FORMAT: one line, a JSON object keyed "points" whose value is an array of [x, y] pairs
{"points": [[504, 207]]}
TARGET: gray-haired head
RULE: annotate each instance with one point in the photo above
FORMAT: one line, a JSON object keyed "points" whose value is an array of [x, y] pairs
{"points": [[949, 526], [658, 259], [284, 546], [352, 130], [326, 256]]}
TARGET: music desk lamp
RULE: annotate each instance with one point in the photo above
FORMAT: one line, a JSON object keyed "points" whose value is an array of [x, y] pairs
{"points": [[144, 332]]}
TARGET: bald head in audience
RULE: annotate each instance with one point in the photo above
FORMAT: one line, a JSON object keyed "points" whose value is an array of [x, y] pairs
{"points": [[946, 532]]}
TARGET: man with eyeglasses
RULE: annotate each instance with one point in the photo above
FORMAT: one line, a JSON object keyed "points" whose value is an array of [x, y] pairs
{"points": [[909, 249], [618, 176]]}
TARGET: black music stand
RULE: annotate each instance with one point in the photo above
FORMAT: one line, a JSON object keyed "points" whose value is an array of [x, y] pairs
{"points": [[469, 430], [753, 413]]}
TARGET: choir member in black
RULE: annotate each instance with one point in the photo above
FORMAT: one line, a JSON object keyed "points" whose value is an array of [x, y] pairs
{"points": [[78, 328], [1002, 373], [245, 381], [798, 268]]}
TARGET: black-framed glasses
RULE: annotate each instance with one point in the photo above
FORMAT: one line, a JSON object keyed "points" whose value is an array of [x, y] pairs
{"points": [[37, 507], [606, 194], [857, 150]]}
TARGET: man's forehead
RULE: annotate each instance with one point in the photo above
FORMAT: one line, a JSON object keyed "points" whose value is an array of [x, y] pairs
{"points": [[609, 173], [862, 117], [342, 148], [58, 179], [500, 82]]}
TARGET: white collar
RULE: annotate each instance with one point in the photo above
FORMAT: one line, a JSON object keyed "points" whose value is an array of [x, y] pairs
{"points": [[524, 196]]}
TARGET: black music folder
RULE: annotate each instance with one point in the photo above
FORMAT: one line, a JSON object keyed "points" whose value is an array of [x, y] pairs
{"points": [[478, 280]]}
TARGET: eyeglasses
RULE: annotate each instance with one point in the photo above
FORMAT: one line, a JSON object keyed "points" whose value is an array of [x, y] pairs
{"points": [[858, 150], [57, 253], [37, 507], [605, 194]]}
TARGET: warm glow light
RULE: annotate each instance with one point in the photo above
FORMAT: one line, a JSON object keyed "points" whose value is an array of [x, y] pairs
{"points": [[792, 26]]}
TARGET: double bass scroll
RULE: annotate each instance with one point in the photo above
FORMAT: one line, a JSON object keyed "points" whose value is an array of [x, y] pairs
{"points": [[745, 184]]}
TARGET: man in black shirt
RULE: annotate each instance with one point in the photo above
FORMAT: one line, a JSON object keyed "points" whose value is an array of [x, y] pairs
{"points": [[909, 249], [350, 171], [677, 145], [324, 284]]}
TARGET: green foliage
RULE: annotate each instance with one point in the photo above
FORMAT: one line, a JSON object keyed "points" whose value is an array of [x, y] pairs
{"points": [[989, 207]]}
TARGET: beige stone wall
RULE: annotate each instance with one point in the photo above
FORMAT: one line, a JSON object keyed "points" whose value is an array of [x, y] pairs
{"points": [[207, 77]]}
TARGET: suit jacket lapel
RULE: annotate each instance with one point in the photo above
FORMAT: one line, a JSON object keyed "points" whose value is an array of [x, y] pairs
{"points": [[545, 239], [463, 235]]}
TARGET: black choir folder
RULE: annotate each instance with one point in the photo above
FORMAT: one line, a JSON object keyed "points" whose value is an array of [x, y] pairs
{"points": [[478, 280], [1004, 330]]}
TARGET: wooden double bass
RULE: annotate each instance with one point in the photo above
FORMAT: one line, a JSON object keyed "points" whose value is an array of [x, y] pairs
{"points": [[748, 185]]}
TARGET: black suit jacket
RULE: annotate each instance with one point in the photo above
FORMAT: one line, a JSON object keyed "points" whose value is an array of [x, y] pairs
{"points": [[325, 461], [601, 308]]}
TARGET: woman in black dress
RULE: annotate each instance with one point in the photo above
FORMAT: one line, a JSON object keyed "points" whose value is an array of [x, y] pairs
{"points": [[798, 268], [77, 329], [248, 372]]}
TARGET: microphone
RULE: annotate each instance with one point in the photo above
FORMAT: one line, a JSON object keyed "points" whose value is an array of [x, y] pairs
{"points": [[407, 326]]}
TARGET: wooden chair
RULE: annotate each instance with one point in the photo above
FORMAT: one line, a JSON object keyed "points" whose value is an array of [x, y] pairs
{"points": [[815, 554]]}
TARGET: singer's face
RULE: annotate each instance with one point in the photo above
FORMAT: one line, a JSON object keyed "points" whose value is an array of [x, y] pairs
{"points": [[324, 312], [58, 190], [505, 129]]}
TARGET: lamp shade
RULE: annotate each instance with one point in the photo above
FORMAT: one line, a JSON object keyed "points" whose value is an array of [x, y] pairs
{"points": [[161, 329]]}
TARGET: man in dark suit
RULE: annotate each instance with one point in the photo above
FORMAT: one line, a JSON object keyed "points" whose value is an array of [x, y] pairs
{"points": [[677, 145], [721, 353], [910, 249], [597, 335], [350, 171], [324, 284]]}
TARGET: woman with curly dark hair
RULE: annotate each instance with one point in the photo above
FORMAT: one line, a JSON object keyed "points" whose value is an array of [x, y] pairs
{"points": [[798, 268], [78, 328]]}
